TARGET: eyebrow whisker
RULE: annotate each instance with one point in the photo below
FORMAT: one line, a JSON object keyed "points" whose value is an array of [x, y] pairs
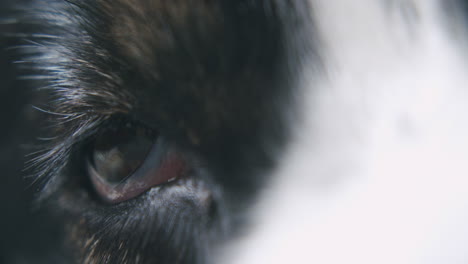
{"points": [[50, 112]]}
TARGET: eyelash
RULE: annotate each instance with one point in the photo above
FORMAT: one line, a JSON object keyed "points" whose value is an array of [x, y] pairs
{"points": [[63, 149]]}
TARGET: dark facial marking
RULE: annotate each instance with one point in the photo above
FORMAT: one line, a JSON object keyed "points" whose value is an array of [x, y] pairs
{"points": [[212, 77]]}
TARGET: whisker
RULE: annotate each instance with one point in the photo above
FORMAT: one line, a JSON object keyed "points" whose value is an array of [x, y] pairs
{"points": [[35, 77], [49, 112]]}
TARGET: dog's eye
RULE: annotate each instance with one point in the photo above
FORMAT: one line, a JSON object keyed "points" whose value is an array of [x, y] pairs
{"points": [[127, 161]]}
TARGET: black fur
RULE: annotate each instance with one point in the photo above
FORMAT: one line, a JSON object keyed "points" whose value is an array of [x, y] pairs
{"points": [[212, 77]]}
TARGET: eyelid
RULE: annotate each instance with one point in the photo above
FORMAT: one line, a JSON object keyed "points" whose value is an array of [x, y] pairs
{"points": [[161, 165]]}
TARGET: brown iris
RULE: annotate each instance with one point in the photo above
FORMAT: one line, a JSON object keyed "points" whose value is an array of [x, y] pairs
{"points": [[118, 153]]}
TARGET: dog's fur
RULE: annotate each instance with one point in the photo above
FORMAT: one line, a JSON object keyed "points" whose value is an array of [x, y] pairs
{"points": [[318, 131]]}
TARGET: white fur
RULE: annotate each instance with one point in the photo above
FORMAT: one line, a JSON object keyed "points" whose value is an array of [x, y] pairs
{"points": [[378, 171]]}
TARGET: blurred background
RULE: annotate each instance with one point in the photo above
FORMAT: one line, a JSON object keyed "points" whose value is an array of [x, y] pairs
{"points": [[26, 236]]}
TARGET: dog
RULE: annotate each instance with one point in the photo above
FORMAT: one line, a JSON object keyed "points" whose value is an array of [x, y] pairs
{"points": [[249, 131]]}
